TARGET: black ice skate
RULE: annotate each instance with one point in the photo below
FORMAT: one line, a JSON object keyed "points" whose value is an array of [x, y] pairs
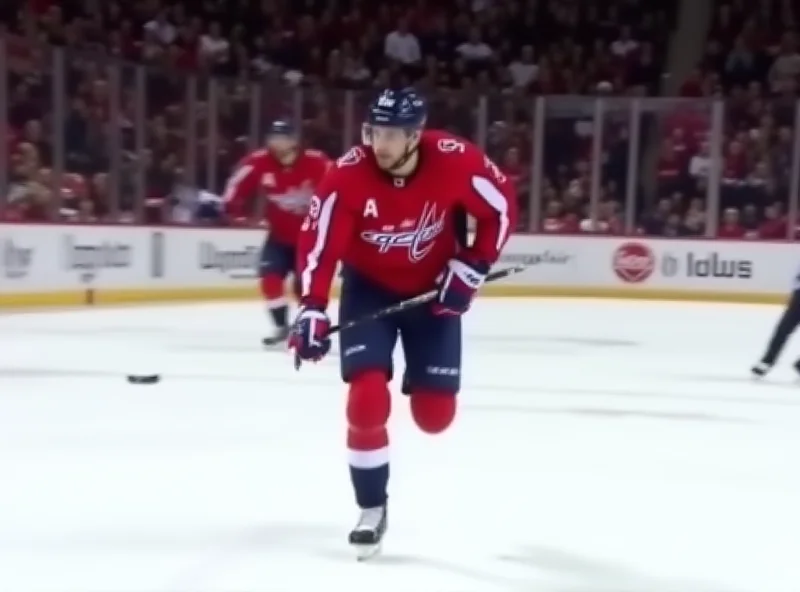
{"points": [[367, 536], [796, 367], [281, 335], [761, 369]]}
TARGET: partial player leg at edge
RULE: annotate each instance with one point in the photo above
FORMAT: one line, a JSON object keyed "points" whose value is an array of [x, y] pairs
{"points": [[787, 324]]}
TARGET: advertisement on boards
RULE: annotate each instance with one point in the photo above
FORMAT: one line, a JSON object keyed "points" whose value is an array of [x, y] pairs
{"points": [[232, 262], [706, 265], [16, 259], [45, 259], [639, 262], [157, 254], [633, 262], [91, 257], [544, 262]]}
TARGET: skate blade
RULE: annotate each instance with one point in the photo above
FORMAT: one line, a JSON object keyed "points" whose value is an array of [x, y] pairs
{"points": [[367, 552]]}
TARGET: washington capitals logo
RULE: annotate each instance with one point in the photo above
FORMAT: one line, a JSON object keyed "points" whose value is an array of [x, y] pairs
{"points": [[418, 241], [294, 199]]}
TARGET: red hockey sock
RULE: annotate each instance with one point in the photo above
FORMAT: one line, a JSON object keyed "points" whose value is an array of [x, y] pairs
{"points": [[368, 408], [433, 411], [277, 303], [272, 290]]}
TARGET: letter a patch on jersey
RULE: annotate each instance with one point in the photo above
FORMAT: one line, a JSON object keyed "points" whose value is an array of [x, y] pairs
{"points": [[370, 209]]}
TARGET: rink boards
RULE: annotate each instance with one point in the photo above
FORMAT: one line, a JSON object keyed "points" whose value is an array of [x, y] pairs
{"points": [[72, 265]]}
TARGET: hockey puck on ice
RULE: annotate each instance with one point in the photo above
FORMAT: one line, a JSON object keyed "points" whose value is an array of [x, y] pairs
{"points": [[144, 378]]}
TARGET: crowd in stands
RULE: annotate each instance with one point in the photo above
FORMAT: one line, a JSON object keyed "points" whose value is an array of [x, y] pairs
{"points": [[319, 62], [752, 60]]}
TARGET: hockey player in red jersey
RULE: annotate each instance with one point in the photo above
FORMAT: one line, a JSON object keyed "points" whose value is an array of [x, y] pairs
{"points": [[393, 211], [286, 175]]}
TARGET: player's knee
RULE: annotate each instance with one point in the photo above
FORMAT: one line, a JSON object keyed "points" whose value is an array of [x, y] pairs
{"points": [[369, 401], [272, 286], [433, 411]]}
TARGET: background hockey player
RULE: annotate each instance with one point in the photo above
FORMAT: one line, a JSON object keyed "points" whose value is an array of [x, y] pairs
{"points": [[286, 176], [787, 324], [394, 212]]}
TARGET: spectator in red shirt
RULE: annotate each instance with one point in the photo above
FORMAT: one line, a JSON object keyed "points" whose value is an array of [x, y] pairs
{"points": [[735, 163], [731, 226], [773, 227], [557, 222], [682, 146]]}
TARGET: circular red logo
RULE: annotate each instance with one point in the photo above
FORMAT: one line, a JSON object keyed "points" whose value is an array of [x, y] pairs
{"points": [[633, 262]]}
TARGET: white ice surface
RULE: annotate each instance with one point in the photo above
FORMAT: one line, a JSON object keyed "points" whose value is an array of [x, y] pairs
{"points": [[601, 447]]}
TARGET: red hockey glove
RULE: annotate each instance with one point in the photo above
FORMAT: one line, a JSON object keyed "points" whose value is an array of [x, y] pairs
{"points": [[309, 338], [458, 285]]}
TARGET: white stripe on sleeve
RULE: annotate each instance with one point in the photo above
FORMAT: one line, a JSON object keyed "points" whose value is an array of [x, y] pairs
{"points": [[323, 228], [237, 177], [498, 202]]}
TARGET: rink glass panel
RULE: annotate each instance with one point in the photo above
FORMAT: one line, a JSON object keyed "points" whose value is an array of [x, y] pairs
{"points": [[507, 139], [93, 138]]}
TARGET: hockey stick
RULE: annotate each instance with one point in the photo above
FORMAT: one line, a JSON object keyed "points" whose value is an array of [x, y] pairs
{"points": [[406, 304]]}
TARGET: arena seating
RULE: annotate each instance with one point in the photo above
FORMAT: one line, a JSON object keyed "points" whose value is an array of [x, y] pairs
{"points": [[752, 59], [157, 102]]}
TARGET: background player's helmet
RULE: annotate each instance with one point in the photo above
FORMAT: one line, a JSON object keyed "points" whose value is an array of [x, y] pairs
{"points": [[396, 108], [281, 128], [283, 140]]}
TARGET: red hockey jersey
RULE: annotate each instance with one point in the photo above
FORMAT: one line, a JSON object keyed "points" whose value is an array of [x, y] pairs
{"points": [[287, 190], [400, 233]]}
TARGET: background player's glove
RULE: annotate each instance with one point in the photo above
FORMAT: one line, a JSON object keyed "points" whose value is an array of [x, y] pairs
{"points": [[458, 285], [309, 338]]}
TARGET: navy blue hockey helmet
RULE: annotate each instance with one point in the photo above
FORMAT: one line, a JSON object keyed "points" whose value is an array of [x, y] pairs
{"points": [[282, 127], [283, 141], [398, 108]]}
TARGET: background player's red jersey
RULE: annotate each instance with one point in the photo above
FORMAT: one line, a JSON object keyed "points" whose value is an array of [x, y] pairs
{"points": [[287, 190], [400, 233]]}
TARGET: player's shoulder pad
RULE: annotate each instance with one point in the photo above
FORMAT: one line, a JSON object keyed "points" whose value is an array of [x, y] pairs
{"points": [[254, 157], [471, 158], [357, 155], [348, 171]]}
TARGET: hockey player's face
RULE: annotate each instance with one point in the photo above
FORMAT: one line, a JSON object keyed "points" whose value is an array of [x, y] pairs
{"points": [[283, 147], [389, 145]]}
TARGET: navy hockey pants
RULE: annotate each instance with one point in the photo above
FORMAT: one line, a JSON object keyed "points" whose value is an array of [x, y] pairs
{"points": [[431, 344], [279, 259]]}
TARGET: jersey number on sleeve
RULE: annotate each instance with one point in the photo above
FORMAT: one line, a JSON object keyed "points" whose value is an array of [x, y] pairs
{"points": [[450, 145]]}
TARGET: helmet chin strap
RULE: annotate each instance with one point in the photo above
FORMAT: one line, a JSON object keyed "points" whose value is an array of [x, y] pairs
{"points": [[411, 149], [402, 160]]}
